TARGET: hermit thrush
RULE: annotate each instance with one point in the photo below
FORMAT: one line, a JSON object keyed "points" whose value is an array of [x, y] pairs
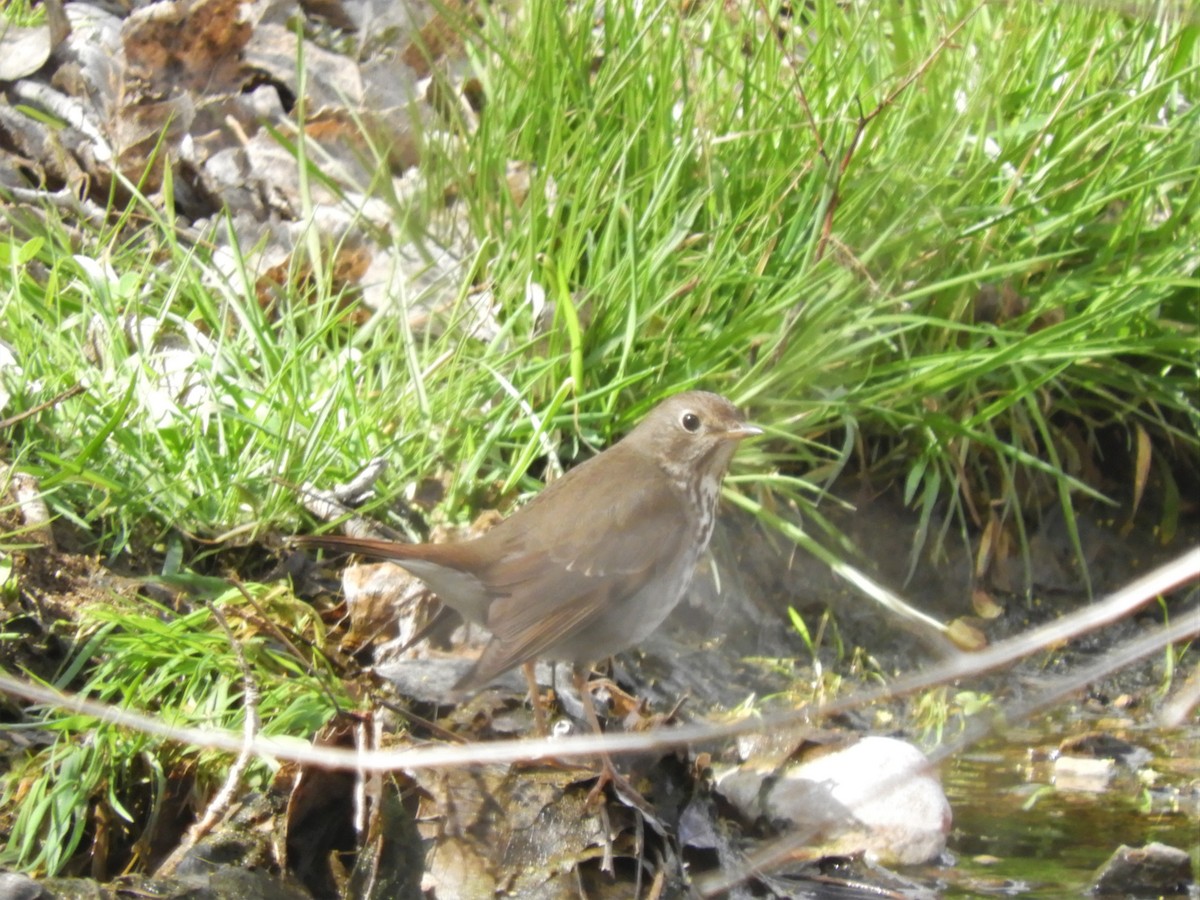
{"points": [[597, 560]]}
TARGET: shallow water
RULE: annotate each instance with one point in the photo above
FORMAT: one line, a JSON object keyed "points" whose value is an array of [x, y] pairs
{"points": [[1018, 833]]}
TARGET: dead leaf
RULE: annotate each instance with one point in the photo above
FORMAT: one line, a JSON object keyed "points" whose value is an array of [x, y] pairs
{"points": [[512, 829], [184, 44], [985, 605], [320, 816], [966, 636], [1141, 474], [987, 546], [381, 597], [22, 50], [998, 304]]}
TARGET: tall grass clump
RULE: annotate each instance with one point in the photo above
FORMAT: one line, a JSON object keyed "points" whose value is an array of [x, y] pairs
{"points": [[950, 244], [947, 243]]}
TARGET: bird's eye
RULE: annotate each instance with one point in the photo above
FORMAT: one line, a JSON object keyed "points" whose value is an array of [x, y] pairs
{"points": [[690, 422]]}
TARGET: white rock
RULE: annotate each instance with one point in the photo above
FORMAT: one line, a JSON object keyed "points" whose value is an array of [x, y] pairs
{"points": [[878, 797]]}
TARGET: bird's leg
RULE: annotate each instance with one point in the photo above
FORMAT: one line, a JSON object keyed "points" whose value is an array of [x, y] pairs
{"points": [[608, 772], [535, 699]]}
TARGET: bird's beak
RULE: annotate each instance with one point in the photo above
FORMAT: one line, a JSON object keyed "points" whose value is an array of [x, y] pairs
{"points": [[741, 432]]}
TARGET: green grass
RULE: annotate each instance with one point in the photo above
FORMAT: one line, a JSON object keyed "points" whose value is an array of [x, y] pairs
{"points": [[182, 665], [804, 218], [20, 12]]}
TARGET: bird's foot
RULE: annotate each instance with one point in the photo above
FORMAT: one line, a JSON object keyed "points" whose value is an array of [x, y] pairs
{"points": [[626, 793]]}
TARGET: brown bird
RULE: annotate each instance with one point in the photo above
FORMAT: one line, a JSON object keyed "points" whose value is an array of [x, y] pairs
{"points": [[595, 562]]}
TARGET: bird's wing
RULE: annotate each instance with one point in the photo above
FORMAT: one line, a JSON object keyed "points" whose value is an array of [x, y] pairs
{"points": [[511, 646], [589, 523], [604, 551]]}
